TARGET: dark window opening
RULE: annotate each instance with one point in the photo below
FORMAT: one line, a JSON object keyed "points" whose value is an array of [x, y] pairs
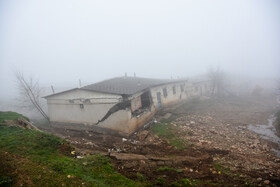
{"points": [[174, 90], [164, 92], [146, 100], [81, 106], [146, 103]]}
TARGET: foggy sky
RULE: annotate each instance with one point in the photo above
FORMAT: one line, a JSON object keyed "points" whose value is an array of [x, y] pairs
{"points": [[62, 41]]}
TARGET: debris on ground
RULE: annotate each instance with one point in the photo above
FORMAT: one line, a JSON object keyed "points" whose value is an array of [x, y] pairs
{"points": [[218, 146]]}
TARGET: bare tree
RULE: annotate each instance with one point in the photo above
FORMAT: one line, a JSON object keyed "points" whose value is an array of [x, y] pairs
{"points": [[30, 93], [217, 79]]}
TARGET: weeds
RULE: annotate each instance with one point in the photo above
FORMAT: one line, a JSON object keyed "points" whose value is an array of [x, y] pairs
{"points": [[185, 182], [169, 132], [40, 159], [169, 169], [4, 180]]}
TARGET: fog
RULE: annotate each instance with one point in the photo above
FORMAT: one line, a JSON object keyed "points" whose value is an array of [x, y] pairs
{"points": [[62, 42]]}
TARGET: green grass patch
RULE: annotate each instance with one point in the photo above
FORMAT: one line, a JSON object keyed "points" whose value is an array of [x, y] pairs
{"points": [[160, 181], [4, 180], [195, 182], [231, 174], [41, 159], [141, 177], [170, 133], [169, 169], [185, 182], [168, 120], [10, 116], [222, 169]]}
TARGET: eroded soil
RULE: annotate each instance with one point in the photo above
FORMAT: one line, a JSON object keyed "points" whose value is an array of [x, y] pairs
{"points": [[207, 143]]}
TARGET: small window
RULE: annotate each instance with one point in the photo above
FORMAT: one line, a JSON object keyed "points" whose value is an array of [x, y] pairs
{"points": [[182, 88], [81, 106], [164, 92], [174, 90]]}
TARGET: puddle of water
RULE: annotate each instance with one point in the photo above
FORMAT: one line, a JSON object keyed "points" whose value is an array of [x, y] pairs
{"points": [[267, 132]]}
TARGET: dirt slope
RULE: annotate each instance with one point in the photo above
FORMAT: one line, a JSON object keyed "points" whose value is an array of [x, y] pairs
{"points": [[200, 142]]}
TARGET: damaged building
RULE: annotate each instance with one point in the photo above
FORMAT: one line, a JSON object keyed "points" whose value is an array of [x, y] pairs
{"points": [[117, 106]]}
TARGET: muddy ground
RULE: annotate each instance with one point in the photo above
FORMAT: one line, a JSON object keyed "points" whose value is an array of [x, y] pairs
{"points": [[206, 143]]}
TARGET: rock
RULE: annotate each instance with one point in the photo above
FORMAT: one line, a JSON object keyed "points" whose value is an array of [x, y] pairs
{"points": [[191, 170], [267, 182], [167, 115], [126, 156], [160, 163], [192, 122], [259, 179], [142, 135], [92, 144], [177, 162], [142, 162], [130, 165], [124, 139], [213, 131]]}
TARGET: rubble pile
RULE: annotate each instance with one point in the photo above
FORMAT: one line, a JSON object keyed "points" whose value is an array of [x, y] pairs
{"points": [[246, 150]]}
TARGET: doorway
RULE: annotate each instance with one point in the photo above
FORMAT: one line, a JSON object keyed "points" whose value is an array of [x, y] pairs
{"points": [[159, 99]]}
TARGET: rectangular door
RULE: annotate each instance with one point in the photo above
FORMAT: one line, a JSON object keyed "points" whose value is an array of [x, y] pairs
{"points": [[159, 99]]}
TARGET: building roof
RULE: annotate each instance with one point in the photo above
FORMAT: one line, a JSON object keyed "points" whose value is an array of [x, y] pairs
{"points": [[125, 85]]}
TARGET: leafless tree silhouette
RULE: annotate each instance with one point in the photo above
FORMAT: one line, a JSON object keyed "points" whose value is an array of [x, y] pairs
{"points": [[217, 78], [30, 93]]}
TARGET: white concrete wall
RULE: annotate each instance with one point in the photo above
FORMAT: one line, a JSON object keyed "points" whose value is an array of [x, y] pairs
{"points": [[65, 107], [118, 121], [171, 97]]}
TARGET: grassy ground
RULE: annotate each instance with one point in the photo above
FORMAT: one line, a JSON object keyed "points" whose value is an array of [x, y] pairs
{"points": [[10, 116], [32, 158], [169, 132]]}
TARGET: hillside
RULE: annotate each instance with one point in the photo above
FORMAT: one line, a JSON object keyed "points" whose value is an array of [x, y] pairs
{"points": [[31, 158]]}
